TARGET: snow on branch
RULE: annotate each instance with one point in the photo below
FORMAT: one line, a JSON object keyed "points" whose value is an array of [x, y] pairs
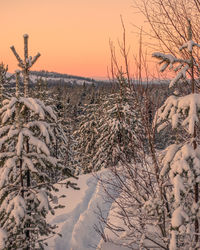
{"points": [[181, 75], [178, 217], [183, 109], [167, 58], [35, 105], [171, 151], [40, 145], [44, 128], [10, 163], [17, 208], [177, 162], [189, 45], [29, 163], [43, 200], [168, 61]]}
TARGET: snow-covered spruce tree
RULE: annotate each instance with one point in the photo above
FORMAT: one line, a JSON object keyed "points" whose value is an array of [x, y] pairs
{"points": [[25, 198], [26, 170], [181, 163], [86, 136], [117, 126]]}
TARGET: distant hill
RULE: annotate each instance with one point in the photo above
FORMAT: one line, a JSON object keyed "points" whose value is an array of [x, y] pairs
{"points": [[59, 78], [54, 77]]}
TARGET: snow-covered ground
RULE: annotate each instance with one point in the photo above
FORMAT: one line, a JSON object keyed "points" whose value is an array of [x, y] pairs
{"points": [[76, 222]]}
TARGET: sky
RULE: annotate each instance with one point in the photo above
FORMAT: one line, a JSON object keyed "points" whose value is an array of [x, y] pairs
{"points": [[71, 35]]}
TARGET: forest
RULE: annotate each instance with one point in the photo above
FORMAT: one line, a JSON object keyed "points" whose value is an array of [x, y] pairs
{"points": [[131, 144]]}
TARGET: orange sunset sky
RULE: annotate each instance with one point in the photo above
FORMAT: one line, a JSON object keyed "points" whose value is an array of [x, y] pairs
{"points": [[71, 35]]}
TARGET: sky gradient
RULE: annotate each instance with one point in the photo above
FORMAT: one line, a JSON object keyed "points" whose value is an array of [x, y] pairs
{"points": [[71, 35]]}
